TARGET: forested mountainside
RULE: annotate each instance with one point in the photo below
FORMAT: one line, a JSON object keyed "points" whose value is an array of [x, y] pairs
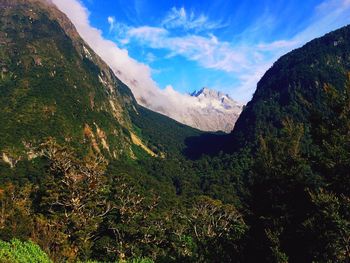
{"points": [[88, 174], [296, 129], [53, 85], [295, 87]]}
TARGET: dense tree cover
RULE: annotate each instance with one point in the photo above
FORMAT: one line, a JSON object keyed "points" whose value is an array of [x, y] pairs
{"points": [[299, 187], [53, 85], [276, 190], [293, 87], [80, 209], [162, 134]]}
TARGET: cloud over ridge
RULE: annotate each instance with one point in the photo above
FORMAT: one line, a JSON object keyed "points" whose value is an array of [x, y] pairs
{"points": [[133, 73], [245, 59]]}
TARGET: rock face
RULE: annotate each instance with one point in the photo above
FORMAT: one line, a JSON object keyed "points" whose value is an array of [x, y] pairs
{"points": [[207, 110], [215, 111]]}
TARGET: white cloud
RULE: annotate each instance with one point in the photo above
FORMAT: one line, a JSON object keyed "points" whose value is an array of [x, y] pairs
{"points": [[111, 22], [246, 59], [150, 57], [180, 18], [151, 34], [207, 51], [126, 68], [276, 45], [329, 15], [133, 73]]}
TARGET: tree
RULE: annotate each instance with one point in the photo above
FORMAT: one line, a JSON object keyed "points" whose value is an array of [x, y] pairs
{"points": [[133, 228], [15, 212], [73, 197], [331, 134], [217, 229], [279, 201], [22, 252], [329, 224]]}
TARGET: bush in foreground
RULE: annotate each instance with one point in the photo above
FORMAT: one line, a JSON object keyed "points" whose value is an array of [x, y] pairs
{"points": [[17, 251]]}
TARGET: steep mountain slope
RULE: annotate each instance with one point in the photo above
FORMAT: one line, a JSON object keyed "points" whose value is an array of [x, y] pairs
{"points": [[295, 87], [163, 134], [53, 85], [285, 201], [296, 130]]}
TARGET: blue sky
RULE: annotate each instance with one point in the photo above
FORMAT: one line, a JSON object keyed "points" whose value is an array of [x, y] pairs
{"points": [[221, 44]]}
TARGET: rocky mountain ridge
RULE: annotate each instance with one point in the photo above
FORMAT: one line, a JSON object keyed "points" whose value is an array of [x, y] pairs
{"points": [[215, 111]]}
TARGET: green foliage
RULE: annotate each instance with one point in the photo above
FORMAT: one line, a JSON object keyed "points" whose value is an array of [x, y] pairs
{"points": [[297, 130], [295, 164], [275, 190], [15, 214], [274, 244], [134, 260], [51, 88], [163, 134], [82, 210], [17, 251], [329, 224], [141, 260], [293, 88], [278, 184], [216, 228], [330, 132]]}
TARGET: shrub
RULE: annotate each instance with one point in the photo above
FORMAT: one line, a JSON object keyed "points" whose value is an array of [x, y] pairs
{"points": [[17, 251]]}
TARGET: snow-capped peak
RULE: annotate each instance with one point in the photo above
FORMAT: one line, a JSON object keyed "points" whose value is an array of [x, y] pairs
{"points": [[216, 99], [206, 92], [220, 109]]}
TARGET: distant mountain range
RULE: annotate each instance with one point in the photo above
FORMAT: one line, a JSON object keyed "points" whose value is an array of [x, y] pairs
{"points": [[206, 109], [217, 111]]}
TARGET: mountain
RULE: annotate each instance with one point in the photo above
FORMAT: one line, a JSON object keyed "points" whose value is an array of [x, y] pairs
{"points": [[86, 172], [296, 131], [53, 85], [206, 110], [295, 87], [276, 189], [137, 76], [217, 111]]}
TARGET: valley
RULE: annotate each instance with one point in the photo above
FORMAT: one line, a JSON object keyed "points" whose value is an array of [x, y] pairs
{"points": [[87, 174]]}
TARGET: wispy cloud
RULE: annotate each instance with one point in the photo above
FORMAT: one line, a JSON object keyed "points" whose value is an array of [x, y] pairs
{"points": [[150, 57], [181, 18], [328, 15], [133, 73], [246, 58], [111, 22], [208, 51], [197, 43], [193, 36], [130, 71]]}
